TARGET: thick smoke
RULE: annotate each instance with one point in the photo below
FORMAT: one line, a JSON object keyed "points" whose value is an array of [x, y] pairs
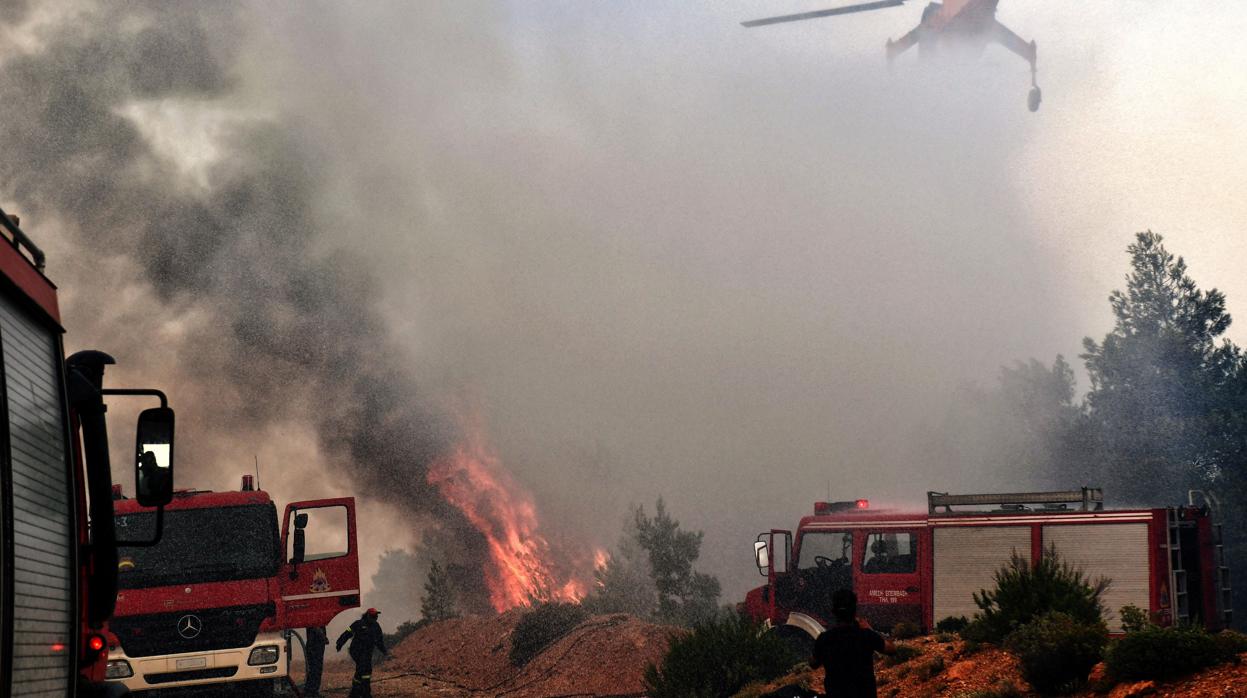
{"points": [[660, 276], [272, 327], [679, 258], [741, 269]]}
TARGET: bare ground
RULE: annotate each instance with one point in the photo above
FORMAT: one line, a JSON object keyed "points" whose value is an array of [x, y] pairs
{"points": [[606, 656]]}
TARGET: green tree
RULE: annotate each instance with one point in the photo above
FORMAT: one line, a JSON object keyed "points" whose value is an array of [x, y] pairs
{"points": [[438, 602], [651, 575], [625, 584], [1046, 430], [393, 590], [1026, 431], [685, 596], [1163, 383], [1168, 399]]}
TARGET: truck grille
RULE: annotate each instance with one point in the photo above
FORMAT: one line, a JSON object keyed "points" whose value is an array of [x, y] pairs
{"points": [[190, 631], [199, 674]]}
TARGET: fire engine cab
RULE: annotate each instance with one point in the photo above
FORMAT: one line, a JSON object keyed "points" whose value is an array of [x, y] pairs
{"points": [[921, 567], [213, 601]]}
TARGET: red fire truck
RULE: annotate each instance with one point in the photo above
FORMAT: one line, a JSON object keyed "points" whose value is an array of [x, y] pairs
{"points": [[211, 603], [921, 567], [58, 550]]}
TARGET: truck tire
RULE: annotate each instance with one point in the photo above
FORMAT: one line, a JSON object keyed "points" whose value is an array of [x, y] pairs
{"points": [[799, 641]]}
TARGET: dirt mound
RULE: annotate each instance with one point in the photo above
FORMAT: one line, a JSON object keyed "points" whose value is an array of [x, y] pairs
{"points": [[603, 656], [470, 652]]}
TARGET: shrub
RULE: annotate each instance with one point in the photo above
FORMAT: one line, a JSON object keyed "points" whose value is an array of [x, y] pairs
{"points": [[977, 631], [903, 654], [1134, 619], [928, 669], [1025, 592], [1057, 651], [718, 658], [541, 627], [1159, 654], [952, 624], [1231, 643], [905, 630]]}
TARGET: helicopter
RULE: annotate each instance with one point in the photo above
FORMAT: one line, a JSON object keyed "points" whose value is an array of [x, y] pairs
{"points": [[970, 22]]}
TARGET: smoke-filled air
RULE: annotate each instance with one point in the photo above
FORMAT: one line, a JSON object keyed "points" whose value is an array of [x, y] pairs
{"points": [[505, 271]]}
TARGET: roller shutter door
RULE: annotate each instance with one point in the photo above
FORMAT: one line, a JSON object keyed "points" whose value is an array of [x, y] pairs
{"points": [[966, 558], [42, 535], [1116, 551]]}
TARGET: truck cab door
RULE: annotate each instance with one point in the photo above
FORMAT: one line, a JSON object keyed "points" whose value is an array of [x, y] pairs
{"points": [[778, 547], [888, 578], [319, 575]]}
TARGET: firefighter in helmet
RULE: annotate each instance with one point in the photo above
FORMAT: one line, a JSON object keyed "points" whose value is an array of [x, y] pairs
{"points": [[365, 637]]}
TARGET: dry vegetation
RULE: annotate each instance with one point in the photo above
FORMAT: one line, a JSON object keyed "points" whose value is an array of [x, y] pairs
{"points": [[991, 672], [607, 656]]}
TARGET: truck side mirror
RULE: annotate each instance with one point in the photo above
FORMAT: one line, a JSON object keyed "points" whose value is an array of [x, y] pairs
{"points": [[762, 556], [153, 466], [299, 544]]}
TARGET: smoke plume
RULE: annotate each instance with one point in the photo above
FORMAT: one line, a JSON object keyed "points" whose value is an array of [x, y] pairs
{"points": [[665, 255], [268, 324]]}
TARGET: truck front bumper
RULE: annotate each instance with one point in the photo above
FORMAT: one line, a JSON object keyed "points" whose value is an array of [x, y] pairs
{"points": [[201, 668]]}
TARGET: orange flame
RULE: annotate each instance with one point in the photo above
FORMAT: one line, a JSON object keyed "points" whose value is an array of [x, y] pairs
{"points": [[474, 480]]}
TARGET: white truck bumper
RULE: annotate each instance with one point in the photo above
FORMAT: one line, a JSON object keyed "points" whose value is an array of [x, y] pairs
{"points": [[200, 668]]}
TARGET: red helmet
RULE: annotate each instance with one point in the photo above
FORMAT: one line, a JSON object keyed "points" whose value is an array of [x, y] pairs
{"points": [[373, 612]]}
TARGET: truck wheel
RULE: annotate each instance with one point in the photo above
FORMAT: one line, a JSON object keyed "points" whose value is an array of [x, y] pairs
{"points": [[799, 641]]}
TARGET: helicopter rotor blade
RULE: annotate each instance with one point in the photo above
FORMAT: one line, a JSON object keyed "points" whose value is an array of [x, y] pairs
{"points": [[848, 9]]}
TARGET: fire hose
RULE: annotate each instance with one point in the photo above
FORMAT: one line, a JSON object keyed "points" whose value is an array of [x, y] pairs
{"points": [[303, 649]]}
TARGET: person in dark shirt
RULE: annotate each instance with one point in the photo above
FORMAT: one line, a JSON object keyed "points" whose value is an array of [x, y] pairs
{"points": [[846, 651], [365, 636]]}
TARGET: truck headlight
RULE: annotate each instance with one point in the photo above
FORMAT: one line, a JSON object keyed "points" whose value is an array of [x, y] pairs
{"points": [[263, 655], [118, 669]]}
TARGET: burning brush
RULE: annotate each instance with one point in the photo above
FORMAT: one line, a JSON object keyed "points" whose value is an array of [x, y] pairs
{"points": [[522, 567]]}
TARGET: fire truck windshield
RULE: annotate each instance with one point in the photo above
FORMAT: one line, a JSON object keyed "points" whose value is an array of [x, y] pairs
{"points": [[825, 549], [199, 545]]}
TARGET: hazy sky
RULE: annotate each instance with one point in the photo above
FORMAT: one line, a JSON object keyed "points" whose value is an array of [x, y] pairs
{"points": [[666, 255]]}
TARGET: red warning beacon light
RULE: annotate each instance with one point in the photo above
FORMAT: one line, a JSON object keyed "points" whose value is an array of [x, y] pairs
{"points": [[825, 508]]}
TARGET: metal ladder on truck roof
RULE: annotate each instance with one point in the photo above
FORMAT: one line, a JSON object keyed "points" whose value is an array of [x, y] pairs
{"points": [[1087, 498], [1179, 600]]}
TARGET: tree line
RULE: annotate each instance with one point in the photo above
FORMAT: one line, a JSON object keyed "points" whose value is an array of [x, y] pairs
{"points": [[1165, 411]]}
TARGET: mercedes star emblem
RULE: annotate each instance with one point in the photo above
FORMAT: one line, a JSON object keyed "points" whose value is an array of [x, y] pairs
{"points": [[189, 627]]}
